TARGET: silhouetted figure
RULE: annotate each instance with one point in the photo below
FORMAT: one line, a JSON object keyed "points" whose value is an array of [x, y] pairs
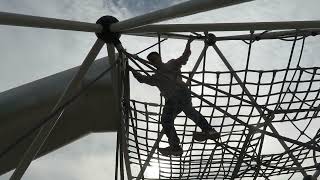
{"points": [[168, 79]]}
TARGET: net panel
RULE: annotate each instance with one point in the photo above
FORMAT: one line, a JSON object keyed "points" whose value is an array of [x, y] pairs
{"points": [[293, 95], [289, 95]]}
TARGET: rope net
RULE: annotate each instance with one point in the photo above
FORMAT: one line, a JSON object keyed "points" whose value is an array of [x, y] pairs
{"points": [[291, 94]]}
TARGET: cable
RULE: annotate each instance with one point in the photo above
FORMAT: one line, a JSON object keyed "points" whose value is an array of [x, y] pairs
{"points": [[159, 42]]}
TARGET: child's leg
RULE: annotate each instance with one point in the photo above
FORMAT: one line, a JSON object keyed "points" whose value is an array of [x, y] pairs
{"points": [[207, 131], [170, 111], [196, 116]]}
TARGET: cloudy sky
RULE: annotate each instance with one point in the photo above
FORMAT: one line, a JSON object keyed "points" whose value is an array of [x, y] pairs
{"points": [[28, 54]]}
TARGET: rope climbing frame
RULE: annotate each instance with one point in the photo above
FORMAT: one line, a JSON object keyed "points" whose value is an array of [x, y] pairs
{"points": [[291, 95]]}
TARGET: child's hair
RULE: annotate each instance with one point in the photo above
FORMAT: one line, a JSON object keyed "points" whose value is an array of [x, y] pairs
{"points": [[152, 54]]}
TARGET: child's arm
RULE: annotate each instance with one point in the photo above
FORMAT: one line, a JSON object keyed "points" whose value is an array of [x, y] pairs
{"points": [[182, 60], [144, 79]]}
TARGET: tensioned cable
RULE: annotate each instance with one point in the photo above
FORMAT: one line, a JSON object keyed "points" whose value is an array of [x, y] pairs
{"points": [[159, 42]]}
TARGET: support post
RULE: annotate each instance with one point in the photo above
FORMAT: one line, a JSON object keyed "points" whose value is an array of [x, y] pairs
{"points": [[46, 129], [284, 145], [120, 92]]}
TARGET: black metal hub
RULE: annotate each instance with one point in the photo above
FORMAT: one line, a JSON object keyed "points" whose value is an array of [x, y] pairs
{"points": [[106, 35], [210, 39]]}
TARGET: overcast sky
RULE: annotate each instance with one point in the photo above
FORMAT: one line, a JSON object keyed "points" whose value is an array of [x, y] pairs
{"points": [[28, 54]]}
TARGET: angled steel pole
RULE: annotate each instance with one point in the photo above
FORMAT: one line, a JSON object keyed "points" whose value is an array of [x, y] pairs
{"points": [[246, 26], [242, 155], [179, 10], [49, 23], [195, 67], [273, 129], [46, 129]]}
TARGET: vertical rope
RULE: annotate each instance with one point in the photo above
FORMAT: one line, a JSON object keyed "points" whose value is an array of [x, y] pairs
{"points": [[245, 136], [261, 141], [121, 157], [147, 127], [135, 133], [294, 74], [160, 109], [158, 133], [288, 67], [182, 141], [190, 148], [159, 45], [117, 157], [220, 131], [201, 105]]}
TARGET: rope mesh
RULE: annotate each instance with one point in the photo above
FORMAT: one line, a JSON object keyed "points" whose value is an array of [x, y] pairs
{"points": [[291, 93]]}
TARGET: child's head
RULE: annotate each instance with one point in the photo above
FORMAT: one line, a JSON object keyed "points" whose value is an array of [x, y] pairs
{"points": [[154, 58]]}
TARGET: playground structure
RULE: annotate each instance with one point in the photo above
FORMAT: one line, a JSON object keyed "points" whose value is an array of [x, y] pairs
{"points": [[243, 117]]}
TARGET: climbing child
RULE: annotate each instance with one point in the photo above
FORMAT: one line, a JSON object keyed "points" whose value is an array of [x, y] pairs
{"points": [[168, 79]]}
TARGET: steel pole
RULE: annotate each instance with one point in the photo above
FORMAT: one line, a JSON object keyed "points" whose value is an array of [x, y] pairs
{"points": [[266, 35], [245, 26], [271, 35], [195, 67], [179, 10], [46, 129], [49, 23]]}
